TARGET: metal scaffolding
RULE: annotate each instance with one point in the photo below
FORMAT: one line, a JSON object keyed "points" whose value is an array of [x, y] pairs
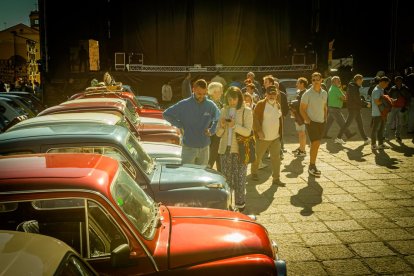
{"points": [[221, 68]]}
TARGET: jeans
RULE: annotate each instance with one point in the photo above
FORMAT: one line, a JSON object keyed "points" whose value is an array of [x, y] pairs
{"points": [[197, 156], [377, 131], [353, 114], [335, 114], [214, 158], [394, 114]]}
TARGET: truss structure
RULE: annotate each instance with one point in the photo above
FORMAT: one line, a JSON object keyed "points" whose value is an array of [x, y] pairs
{"points": [[221, 68]]}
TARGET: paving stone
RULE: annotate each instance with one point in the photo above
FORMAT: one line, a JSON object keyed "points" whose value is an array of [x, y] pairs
{"points": [[346, 267], [296, 253], [352, 205], [410, 259], [293, 217], [403, 247], [396, 212], [343, 225], [383, 203], [388, 265], [312, 239], [356, 236], [371, 249], [393, 234], [405, 202], [332, 215], [372, 183], [305, 269], [405, 221], [325, 207], [369, 196], [364, 214], [376, 223], [333, 191], [285, 239], [357, 189], [331, 252], [341, 198], [280, 228], [309, 226]]}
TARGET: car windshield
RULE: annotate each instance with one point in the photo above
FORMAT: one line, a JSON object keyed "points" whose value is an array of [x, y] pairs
{"points": [[137, 206], [139, 155], [131, 114]]}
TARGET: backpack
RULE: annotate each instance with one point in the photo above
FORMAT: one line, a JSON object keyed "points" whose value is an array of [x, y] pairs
{"points": [[386, 105]]}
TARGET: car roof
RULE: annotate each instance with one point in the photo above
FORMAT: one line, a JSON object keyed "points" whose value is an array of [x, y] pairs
{"points": [[65, 118], [95, 100], [61, 134], [42, 253], [103, 104], [60, 171]]}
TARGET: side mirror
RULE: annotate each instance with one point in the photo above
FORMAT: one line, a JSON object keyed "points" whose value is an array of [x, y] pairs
{"points": [[120, 256]]}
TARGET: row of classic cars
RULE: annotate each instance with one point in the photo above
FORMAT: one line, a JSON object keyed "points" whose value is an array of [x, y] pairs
{"points": [[125, 206]]}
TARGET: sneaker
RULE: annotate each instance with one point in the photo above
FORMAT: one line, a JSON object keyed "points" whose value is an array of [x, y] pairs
{"points": [[398, 139], [277, 182], [383, 146], [239, 207], [255, 177], [314, 171], [300, 153], [367, 141], [351, 135], [263, 165], [339, 141]]}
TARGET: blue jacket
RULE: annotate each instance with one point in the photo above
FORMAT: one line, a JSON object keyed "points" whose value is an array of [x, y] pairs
{"points": [[194, 118]]}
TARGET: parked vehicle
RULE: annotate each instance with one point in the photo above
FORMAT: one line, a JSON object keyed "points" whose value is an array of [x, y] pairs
{"points": [[156, 132], [33, 254], [35, 102], [24, 104], [91, 203], [161, 152], [290, 87], [129, 96], [149, 102], [172, 184], [363, 90]]}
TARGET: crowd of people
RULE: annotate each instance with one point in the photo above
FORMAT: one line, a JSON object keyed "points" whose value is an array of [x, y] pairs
{"points": [[212, 115]]}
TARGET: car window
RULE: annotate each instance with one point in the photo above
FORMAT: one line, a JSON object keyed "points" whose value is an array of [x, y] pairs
{"points": [[107, 151], [137, 206], [139, 155], [104, 235], [68, 219], [131, 114], [72, 265]]}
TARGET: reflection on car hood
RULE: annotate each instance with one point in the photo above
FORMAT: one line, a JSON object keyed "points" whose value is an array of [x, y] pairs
{"points": [[161, 150], [184, 176], [203, 235]]}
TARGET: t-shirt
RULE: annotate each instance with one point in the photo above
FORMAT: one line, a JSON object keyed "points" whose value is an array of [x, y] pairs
{"points": [[376, 94], [316, 102], [334, 97], [270, 127]]}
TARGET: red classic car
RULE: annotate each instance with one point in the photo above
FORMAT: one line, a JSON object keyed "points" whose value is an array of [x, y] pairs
{"points": [[148, 129], [90, 202], [102, 92]]}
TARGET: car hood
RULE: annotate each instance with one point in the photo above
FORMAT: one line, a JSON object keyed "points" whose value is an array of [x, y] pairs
{"points": [[176, 176], [154, 128], [203, 235]]}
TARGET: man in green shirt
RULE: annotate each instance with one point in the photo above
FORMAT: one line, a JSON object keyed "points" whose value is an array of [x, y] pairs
{"points": [[336, 100]]}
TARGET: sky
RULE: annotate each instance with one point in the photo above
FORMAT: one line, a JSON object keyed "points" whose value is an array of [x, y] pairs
{"points": [[13, 12]]}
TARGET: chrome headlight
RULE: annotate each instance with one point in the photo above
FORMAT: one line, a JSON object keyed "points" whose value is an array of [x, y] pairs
{"points": [[275, 249]]}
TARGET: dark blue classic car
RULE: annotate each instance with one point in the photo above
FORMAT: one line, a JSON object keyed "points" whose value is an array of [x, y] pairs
{"points": [[171, 184]]}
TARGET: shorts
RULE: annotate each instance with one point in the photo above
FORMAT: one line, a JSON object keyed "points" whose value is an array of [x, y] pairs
{"points": [[301, 127], [315, 130]]}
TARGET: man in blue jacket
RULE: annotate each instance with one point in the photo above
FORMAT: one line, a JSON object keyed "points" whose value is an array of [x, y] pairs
{"points": [[197, 116]]}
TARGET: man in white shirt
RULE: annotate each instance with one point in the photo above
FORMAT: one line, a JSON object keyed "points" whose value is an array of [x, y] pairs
{"points": [[166, 93], [268, 128]]}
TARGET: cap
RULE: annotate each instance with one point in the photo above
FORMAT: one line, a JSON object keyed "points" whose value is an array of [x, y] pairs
{"points": [[271, 89]]}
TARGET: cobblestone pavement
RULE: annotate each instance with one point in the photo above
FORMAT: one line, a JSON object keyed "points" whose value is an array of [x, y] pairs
{"points": [[356, 219]]}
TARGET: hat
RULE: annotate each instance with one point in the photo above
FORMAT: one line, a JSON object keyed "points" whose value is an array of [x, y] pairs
{"points": [[271, 89]]}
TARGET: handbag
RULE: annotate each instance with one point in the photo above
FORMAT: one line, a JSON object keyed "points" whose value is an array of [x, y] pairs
{"points": [[247, 146]]}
